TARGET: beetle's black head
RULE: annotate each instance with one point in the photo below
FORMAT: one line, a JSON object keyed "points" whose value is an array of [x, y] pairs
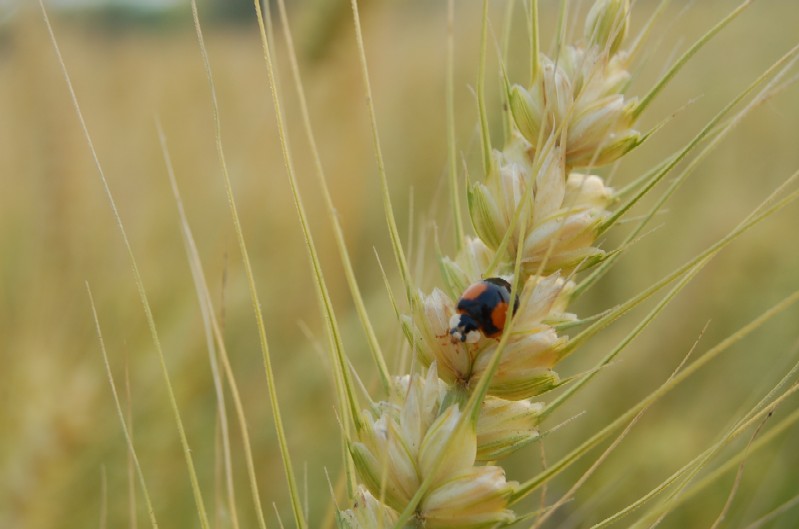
{"points": [[463, 327]]}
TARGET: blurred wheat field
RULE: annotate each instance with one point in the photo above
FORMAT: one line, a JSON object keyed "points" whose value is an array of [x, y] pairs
{"points": [[63, 460]]}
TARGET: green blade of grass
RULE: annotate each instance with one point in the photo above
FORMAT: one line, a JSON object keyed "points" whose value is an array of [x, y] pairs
{"points": [[103, 498], [396, 243], [699, 461], [579, 483], [392, 299], [131, 466], [205, 311], [775, 72], [758, 215], [452, 160], [639, 328], [775, 513], [535, 42], [787, 61], [128, 437], [485, 133], [645, 322], [255, 301], [213, 326], [507, 29], [679, 63], [374, 345], [759, 412], [560, 32], [570, 493], [532, 484], [350, 401], [645, 31]]}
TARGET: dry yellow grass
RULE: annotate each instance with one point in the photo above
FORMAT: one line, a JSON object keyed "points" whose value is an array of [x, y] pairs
{"points": [[58, 430]]}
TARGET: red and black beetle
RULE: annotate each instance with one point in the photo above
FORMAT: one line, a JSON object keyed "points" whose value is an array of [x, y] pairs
{"points": [[483, 307]]}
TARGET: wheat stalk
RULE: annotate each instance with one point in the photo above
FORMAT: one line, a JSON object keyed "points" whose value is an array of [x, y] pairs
{"points": [[428, 451], [537, 220]]}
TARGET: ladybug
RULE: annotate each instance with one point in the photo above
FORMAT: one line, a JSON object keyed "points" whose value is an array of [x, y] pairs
{"points": [[483, 308]]}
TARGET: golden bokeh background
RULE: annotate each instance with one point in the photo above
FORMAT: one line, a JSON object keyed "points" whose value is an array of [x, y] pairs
{"points": [[63, 459]]}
